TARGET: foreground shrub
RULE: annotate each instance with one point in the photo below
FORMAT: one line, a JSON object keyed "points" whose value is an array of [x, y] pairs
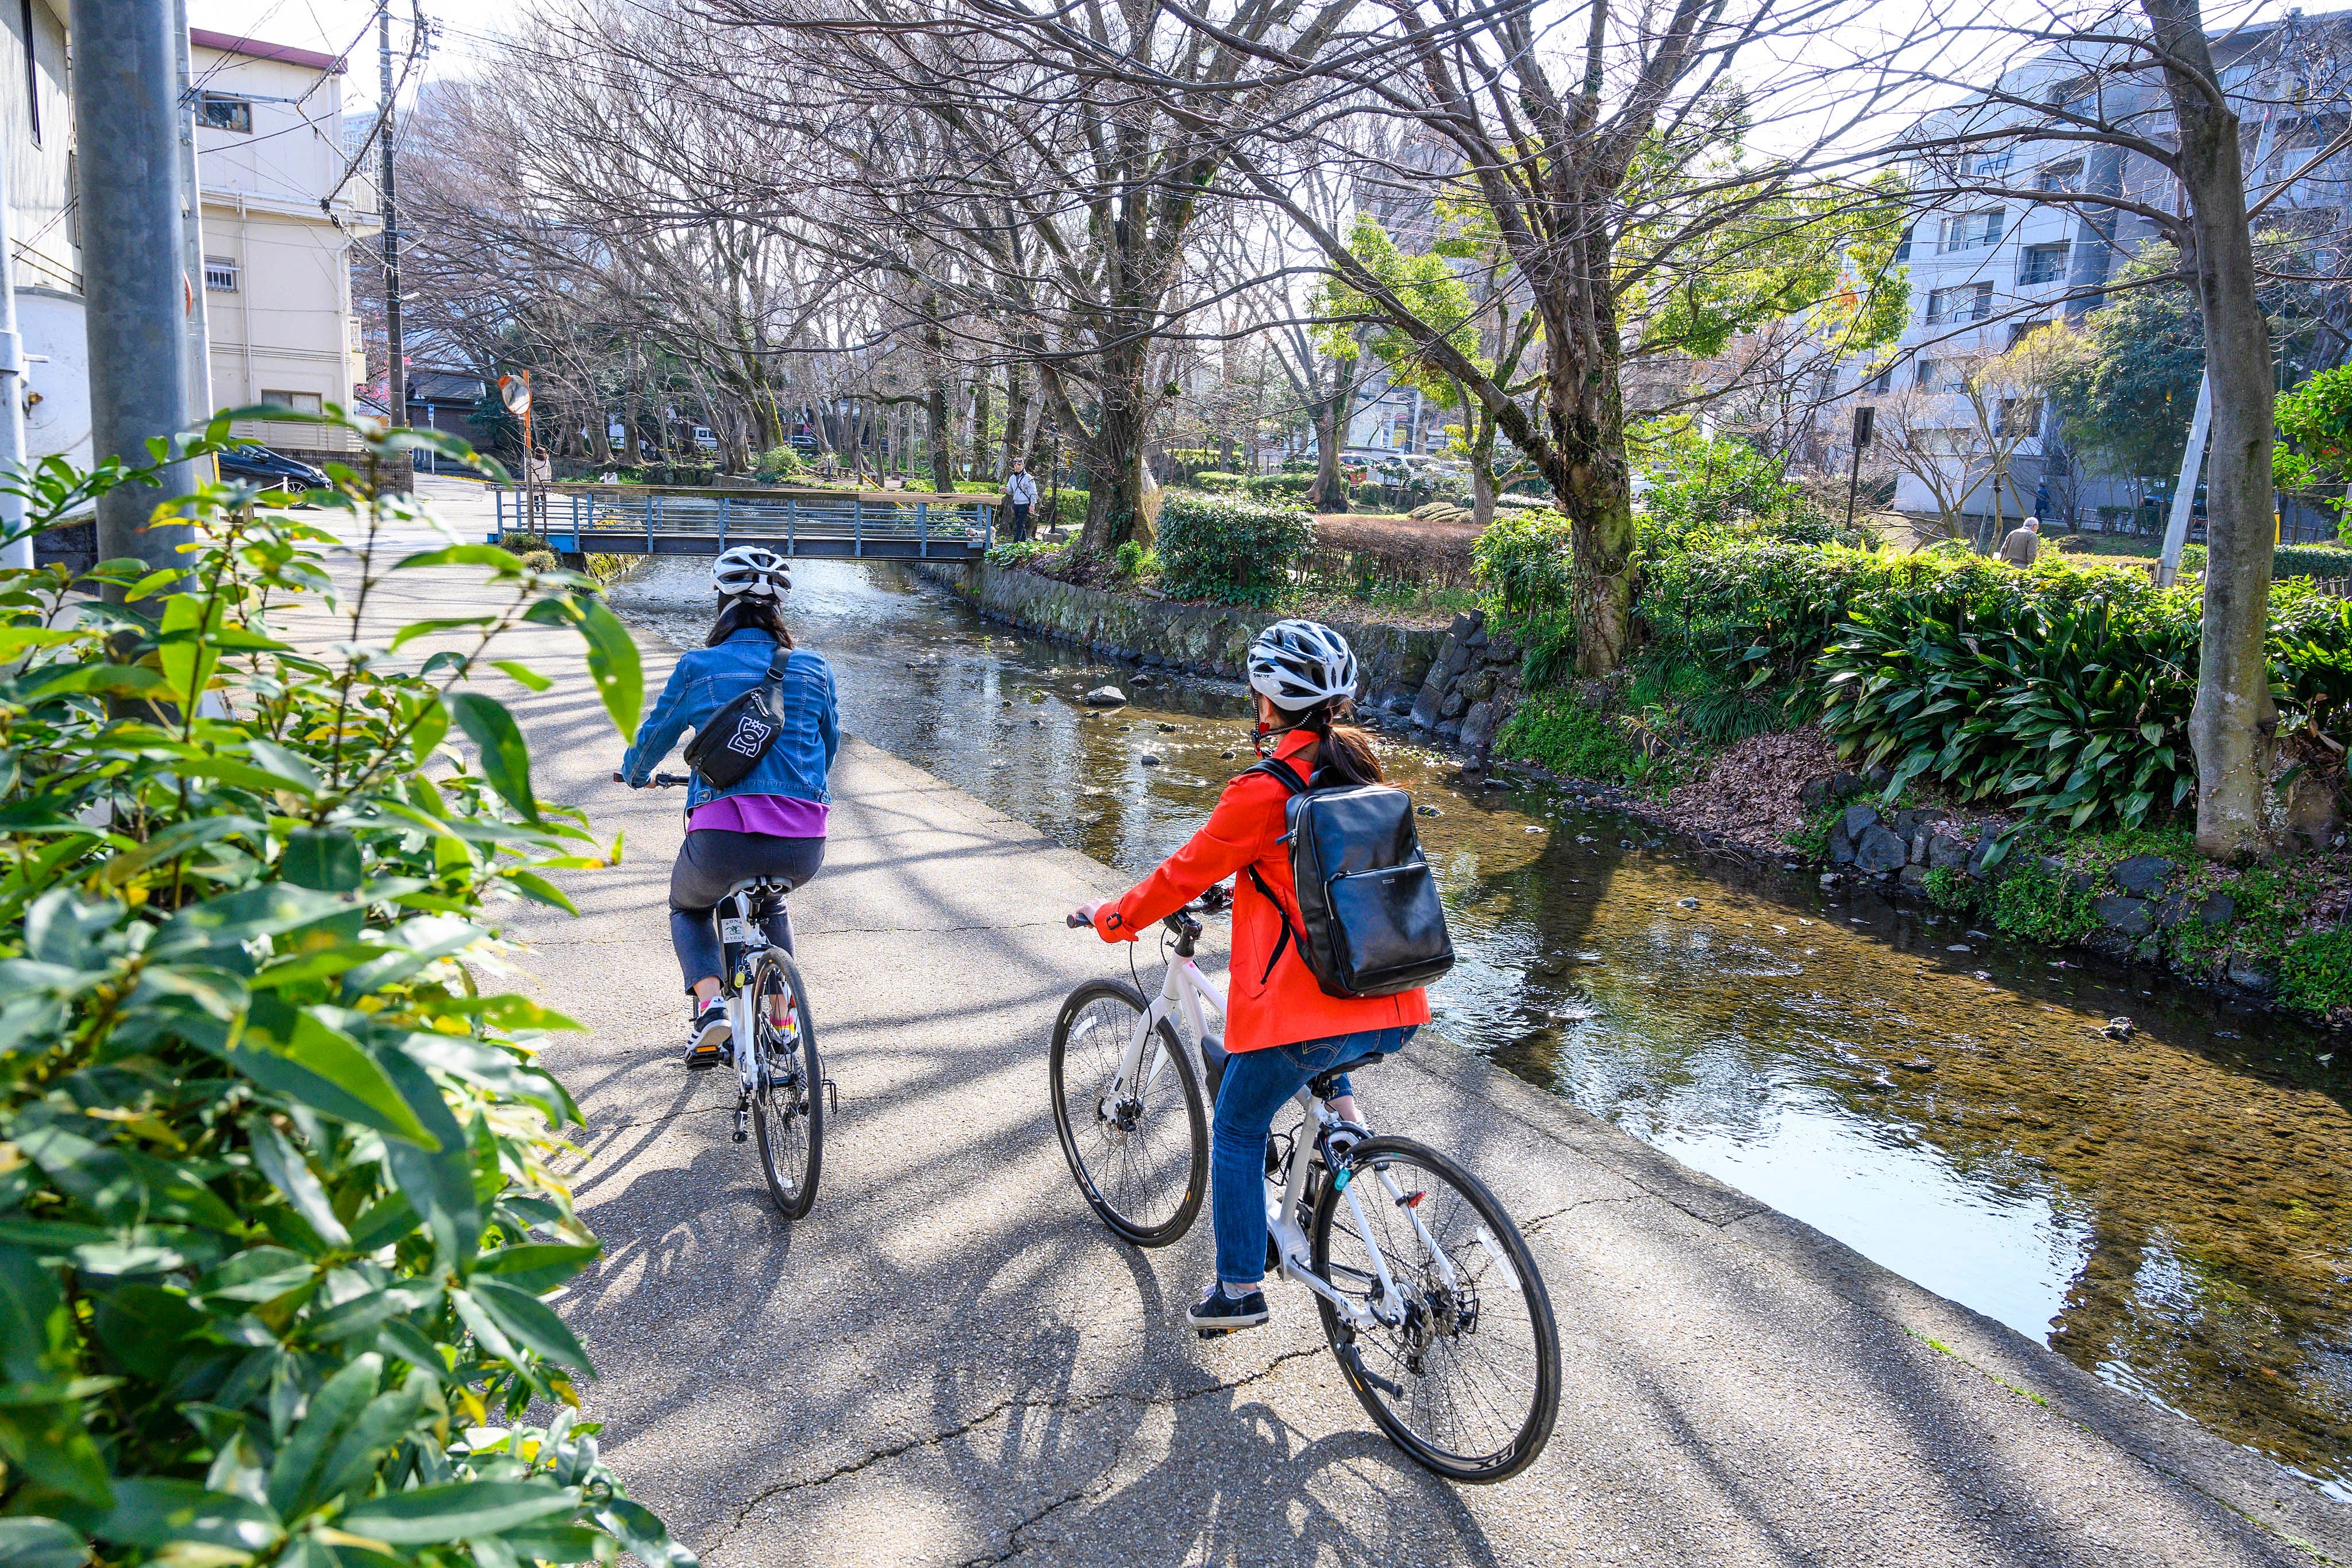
{"points": [[1558, 731], [1524, 560], [779, 464], [276, 1216], [1229, 548]]}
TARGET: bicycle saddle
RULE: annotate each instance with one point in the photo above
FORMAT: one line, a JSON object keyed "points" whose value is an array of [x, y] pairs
{"points": [[773, 886]]}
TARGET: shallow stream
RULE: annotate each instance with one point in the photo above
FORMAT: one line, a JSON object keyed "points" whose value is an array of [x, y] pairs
{"points": [[2168, 1210]]}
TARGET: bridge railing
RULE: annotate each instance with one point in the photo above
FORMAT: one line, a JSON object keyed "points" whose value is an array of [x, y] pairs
{"points": [[629, 520]]}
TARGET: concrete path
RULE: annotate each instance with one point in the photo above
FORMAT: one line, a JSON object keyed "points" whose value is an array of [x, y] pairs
{"points": [[949, 1361]]}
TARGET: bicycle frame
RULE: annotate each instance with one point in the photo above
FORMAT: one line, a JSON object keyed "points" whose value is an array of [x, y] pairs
{"points": [[1191, 996], [742, 940]]}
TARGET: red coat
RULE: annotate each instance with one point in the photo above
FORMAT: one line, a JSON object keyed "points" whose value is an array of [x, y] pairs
{"points": [[1283, 1005]]}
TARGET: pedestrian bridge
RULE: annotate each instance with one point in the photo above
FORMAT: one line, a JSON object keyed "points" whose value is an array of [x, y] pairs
{"points": [[630, 520]]}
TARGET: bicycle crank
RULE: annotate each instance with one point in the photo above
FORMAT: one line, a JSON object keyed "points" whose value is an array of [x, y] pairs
{"points": [[742, 1117]]}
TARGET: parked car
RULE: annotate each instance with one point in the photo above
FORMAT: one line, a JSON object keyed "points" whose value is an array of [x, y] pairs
{"points": [[251, 463], [704, 439]]}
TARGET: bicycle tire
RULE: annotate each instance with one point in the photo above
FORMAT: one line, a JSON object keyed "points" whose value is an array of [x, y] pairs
{"points": [[788, 1108], [1109, 1008], [1525, 1440]]}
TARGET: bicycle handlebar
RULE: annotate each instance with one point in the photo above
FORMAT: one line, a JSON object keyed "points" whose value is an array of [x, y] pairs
{"points": [[660, 780]]}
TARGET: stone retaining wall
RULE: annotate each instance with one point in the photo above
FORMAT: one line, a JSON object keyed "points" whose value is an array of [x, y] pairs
{"points": [[1207, 639], [1471, 685]]}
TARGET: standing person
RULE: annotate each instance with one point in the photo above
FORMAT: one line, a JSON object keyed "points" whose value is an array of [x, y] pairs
{"points": [[2041, 498], [2024, 544], [770, 821], [1283, 1030], [1020, 494]]}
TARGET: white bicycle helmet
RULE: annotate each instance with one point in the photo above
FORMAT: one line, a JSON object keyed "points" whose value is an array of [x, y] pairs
{"points": [[750, 569], [1295, 665]]}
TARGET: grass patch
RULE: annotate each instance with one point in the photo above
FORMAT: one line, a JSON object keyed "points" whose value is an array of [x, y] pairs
{"points": [[1558, 731]]}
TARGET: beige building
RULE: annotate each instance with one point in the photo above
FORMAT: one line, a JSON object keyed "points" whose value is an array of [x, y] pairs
{"points": [[277, 283], [276, 289]]}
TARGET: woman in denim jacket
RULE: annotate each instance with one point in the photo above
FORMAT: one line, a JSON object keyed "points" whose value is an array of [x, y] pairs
{"points": [[770, 821]]}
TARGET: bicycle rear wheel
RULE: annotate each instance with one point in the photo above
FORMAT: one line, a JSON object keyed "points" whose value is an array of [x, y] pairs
{"points": [[788, 1107], [1466, 1378], [1139, 1150]]}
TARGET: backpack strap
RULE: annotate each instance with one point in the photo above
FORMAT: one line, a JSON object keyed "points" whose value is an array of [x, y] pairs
{"points": [[1280, 770]]}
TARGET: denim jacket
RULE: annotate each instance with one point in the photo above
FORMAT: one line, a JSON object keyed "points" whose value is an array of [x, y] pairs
{"points": [[707, 679]]}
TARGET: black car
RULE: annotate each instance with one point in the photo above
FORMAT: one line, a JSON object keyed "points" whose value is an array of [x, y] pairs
{"points": [[253, 464]]}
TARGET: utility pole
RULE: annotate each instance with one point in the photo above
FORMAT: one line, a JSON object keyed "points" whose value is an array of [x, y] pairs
{"points": [[1865, 416], [395, 381], [192, 226], [136, 296]]}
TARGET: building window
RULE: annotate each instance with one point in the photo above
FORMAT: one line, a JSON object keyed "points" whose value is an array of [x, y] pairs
{"points": [[216, 112], [1963, 302], [2042, 264], [220, 274], [299, 402], [2061, 177], [1985, 165], [1903, 250], [1882, 383], [1967, 231], [2020, 416], [1927, 382], [32, 72]]}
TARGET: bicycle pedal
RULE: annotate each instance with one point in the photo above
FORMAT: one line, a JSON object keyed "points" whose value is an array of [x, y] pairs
{"points": [[741, 1137]]}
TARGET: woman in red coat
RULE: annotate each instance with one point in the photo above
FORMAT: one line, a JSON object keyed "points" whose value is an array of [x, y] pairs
{"points": [[1282, 1028]]}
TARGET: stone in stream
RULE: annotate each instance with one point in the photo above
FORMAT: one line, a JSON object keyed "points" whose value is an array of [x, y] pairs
{"points": [[2143, 874], [2130, 916], [1686, 903], [2116, 1029], [1106, 696], [1149, 759], [1877, 849], [1167, 729]]}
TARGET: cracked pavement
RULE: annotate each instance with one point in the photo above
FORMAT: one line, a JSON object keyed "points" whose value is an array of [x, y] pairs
{"points": [[949, 1361]]}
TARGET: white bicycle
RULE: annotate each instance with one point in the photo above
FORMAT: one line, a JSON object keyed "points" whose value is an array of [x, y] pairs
{"points": [[1428, 1294]]}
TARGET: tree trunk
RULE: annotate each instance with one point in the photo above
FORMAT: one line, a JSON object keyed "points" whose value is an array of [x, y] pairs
{"points": [[1016, 421], [1117, 486], [1330, 491], [980, 412], [1482, 468], [2231, 727], [942, 441]]}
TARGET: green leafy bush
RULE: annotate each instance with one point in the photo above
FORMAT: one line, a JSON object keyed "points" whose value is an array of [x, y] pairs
{"points": [[1523, 559], [1219, 483], [779, 464], [1014, 553], [1765, 608], [1231, 550], [1133, 560], [2316, 971], [1286, 486], [276, 1210], [2062, 692], [2034, 904], [1069, 508]]}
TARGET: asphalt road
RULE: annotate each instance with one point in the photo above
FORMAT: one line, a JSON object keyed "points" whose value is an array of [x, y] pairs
{"points": [[949, 1361]]}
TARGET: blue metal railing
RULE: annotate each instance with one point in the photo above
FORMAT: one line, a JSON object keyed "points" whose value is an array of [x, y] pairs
{"points": [[627, 521]]}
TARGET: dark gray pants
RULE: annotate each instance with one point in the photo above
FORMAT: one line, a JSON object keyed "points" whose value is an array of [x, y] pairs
{"points": [[710, 862]]}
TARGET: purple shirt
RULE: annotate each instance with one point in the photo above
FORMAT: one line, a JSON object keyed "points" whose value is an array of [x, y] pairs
{"points": [[776, 816]]}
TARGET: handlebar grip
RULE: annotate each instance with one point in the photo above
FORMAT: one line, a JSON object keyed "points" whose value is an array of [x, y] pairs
{"points": [[672, 780], [618, 778], [1074, 923]]}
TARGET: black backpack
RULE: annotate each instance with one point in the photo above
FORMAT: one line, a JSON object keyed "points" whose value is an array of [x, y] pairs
{"points": [[727, 748], [1374, 924]]}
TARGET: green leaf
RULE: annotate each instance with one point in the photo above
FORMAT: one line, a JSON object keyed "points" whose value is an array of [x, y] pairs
{"points": [[416, 629], [539, 889], [40, 1544], [431, 726], [292, 770], [292, 1051], [154, 1511], [529, 1321], [522, 674], [333, 1410], [505, 761], [291, 1175], [235, 918], [464, 555], [459, 1511], [613, 663], [536, 1266]]}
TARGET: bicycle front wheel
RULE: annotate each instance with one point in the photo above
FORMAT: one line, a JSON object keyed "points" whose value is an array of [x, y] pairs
{"points": [[788, 1106], [1461, 1367], [1138, 1146]]}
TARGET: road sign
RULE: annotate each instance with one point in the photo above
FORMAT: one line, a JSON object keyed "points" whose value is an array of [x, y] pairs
{"points": [[514, 391]]}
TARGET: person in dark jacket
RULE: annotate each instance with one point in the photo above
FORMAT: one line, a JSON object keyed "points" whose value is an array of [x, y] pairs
{"points": [[769, 823]]}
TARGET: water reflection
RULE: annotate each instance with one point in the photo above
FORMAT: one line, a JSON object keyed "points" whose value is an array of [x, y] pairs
{"points": [[2166, 1210]]}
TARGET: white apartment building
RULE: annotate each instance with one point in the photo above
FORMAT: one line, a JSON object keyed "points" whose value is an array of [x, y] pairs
{"points": [[277, 283], [1984, 272], [276, 287]]}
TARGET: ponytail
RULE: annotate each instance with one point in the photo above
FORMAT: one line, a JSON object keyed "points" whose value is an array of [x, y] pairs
{"points": [[1347, 750], [738, 610]]}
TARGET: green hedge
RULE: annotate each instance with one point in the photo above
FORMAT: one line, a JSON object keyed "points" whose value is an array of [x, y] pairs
{"points": [[1219, 483], [1231, 550], [2312, 560], [280, 1217], [1070, 508], [1278, 486]]}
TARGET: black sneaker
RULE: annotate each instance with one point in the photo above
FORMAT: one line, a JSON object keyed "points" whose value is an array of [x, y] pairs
{"points": [[709, 1039], [1220, 1314]]}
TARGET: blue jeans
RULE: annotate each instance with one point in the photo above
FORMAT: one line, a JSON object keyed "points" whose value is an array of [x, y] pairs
{"points": [[1257, 1084]]}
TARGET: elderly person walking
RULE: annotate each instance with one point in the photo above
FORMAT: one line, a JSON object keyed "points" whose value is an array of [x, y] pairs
{"points": [[2024, 544], [1020, 494]]}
